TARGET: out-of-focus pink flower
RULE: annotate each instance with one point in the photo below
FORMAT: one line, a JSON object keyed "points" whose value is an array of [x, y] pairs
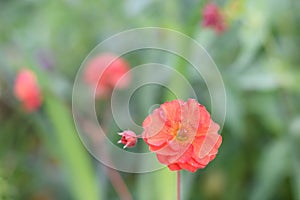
{"points": [[27, 91], [182, 135], [105, 73], [213, 18], [129, 139]]}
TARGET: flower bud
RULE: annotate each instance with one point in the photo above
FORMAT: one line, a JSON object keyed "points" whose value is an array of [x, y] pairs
{"points": [[129, 139]]}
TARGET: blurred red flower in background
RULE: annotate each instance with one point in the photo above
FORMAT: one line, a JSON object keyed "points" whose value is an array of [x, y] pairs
{"points": [[129, 139], [104, 72], [26, 90], [213, 18], [182, 135]]}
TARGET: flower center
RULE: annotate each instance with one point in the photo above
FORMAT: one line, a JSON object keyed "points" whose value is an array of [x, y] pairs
{"points": [[182, 134]]}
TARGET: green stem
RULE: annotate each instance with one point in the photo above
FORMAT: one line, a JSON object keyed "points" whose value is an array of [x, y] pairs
{"points": [[178, 185]]}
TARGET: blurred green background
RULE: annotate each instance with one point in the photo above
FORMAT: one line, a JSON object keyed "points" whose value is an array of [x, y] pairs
{"points": [[258, 55]]}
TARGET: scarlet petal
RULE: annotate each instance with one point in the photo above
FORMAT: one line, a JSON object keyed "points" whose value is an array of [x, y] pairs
{"points": [[157, 143], [163, 159], [26, 89], [191, 115], [187, 155], [153, 125], [33, 103], [165, 150], [188, 167], [157, 148], [213, 128], [206, 145], [174, 167], [213, 17], [193, 162], [172, 110], [203, 161], [105, 72], [183, 136]]}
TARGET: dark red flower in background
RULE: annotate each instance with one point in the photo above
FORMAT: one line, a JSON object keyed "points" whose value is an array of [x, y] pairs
{"points": [[213, 18], [182, 135], [129, 139], [27, 91], [104, 72]]}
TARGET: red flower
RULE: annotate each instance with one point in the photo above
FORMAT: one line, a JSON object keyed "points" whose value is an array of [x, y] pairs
{"points": [[104, 72], [129, 139], [26, 89], [213, 17], [182, 135]]}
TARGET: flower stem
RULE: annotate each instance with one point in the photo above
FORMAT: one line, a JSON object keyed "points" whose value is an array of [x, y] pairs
{"points": [[178, 185]]}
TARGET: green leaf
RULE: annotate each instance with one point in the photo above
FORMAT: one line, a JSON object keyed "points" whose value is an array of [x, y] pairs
{"points": [[271, 170], [296, 176], [295, 141], [81, 175]]}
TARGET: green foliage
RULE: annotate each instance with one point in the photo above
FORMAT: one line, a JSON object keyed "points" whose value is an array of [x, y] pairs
{"points": [[82, 178], [41, 156]]}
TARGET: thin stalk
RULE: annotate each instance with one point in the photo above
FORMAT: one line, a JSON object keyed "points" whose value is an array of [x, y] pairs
{"points": [[118, 183], [115, 178], [178, 185]]}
